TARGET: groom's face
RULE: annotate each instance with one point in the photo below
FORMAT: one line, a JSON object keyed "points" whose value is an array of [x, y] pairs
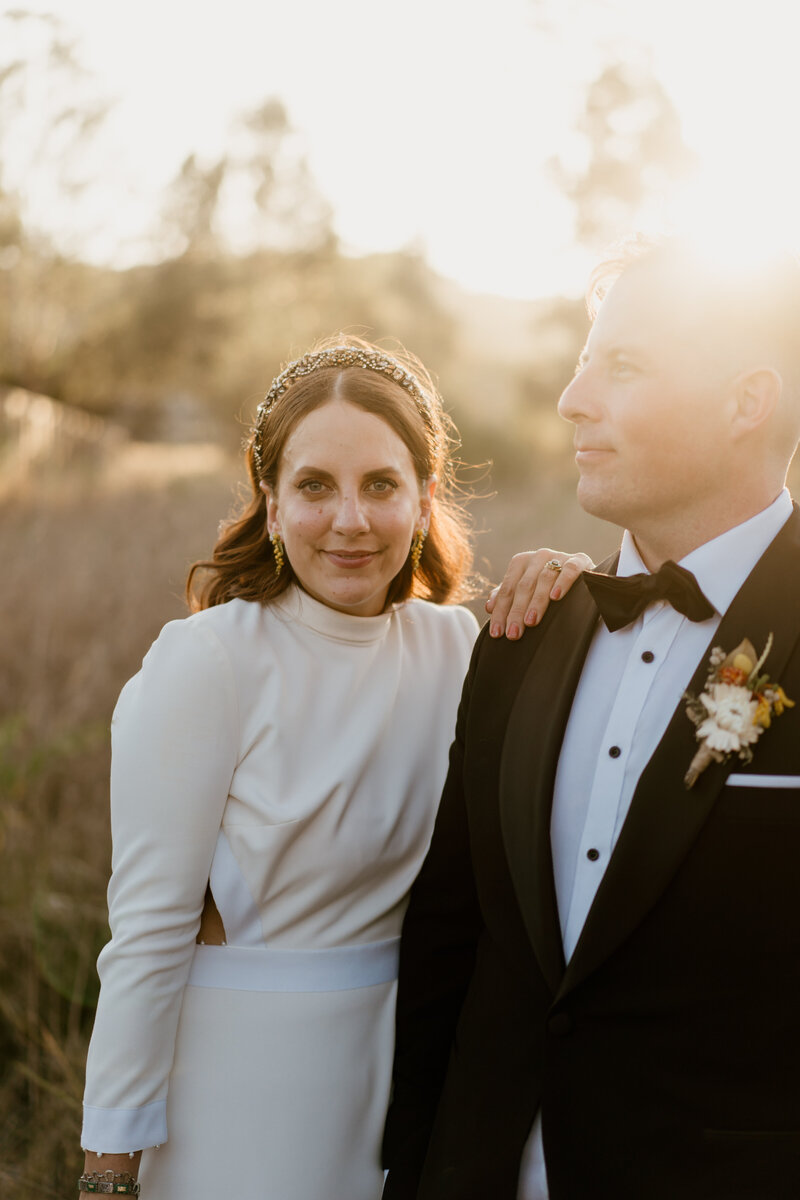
{"points": [[648, 403]]}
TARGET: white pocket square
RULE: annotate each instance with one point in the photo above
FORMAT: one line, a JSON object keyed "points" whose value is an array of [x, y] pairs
{"points": [[764, 781]]}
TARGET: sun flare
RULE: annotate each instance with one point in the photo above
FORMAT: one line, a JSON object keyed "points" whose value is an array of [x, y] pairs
{"points": [[737, 228]]}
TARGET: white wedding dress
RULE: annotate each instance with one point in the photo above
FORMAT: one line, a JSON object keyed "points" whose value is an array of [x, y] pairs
{"points": [[294, 756]]}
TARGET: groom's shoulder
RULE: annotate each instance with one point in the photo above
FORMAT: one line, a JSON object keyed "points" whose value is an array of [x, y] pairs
{"points": [[502, 659], [781, 559], [788, 539], [499, 663]]}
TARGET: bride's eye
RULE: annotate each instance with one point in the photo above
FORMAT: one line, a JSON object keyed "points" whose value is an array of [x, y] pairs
{"points": [[383, 486]]}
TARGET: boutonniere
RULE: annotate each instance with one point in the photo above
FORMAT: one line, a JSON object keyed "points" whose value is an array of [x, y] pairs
{"points": [[735, 707]]}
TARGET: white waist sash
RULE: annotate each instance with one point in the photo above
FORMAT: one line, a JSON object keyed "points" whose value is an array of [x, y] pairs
{"points": [[336, 969]]}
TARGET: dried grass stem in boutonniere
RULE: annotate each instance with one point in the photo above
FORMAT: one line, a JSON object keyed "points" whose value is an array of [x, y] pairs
{"points": [[736, 706]]}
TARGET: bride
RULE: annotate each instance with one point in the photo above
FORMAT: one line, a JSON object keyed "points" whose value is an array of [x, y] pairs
{"points": [[277, 763]]}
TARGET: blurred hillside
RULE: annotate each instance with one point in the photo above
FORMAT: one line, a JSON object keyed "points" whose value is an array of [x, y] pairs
{"points": [[185, 348]]}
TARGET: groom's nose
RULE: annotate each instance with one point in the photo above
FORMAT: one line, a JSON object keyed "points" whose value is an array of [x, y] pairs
{"points": [[578, 401]]}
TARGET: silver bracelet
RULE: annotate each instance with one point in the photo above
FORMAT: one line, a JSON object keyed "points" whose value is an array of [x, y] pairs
{"points": [[109, 1183]]}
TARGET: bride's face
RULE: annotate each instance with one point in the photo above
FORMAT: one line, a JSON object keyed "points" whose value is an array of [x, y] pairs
{"points": [[347, 504]]}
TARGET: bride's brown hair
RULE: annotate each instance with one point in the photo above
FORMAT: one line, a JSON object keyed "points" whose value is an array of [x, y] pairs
{"points": [[242, 563]]}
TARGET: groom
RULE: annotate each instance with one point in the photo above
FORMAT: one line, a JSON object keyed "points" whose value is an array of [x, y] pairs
{"points": [[600, 970]]}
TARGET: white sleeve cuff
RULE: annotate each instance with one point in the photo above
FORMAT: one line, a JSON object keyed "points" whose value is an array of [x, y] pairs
{"points": [[120, 1130]]}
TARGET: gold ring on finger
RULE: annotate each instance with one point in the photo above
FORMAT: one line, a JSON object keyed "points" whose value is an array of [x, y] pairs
{"points": [[552, 564]]}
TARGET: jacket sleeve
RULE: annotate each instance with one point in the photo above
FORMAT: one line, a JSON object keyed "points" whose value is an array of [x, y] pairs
{"points": [[437, 957], [174, 750]]}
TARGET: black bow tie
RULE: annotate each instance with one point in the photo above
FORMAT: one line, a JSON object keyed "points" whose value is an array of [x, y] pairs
{"points": [[621, 598]]}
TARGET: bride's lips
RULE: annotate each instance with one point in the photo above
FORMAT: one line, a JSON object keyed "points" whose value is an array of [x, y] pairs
{"points": [[350, 558]]}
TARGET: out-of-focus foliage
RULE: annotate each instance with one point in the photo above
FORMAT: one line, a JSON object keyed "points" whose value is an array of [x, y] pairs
{"points": [[634, 152]]}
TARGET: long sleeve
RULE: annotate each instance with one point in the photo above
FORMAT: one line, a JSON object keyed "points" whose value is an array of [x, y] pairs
{"points": [[174, 749]]}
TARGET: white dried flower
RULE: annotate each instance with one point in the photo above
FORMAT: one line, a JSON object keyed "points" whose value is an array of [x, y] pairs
{"points": [[729, 725]]}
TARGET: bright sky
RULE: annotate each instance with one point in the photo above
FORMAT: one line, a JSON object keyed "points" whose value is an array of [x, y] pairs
{"points": [[431, 122]]}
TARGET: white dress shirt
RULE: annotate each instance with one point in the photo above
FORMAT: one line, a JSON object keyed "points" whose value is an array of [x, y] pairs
{"points": [[632, 682]]}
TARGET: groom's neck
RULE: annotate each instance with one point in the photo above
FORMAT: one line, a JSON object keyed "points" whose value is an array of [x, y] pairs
{"points": [[657, 541]]}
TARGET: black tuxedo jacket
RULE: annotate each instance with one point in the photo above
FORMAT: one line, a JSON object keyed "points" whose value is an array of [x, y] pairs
{"points": [[666, 1056]]}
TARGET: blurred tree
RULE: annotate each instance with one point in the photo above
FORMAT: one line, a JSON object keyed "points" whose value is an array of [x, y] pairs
{"points": [[289, 211], [190, 212], [49, 113], [196, 328], [634, 151], [260, 194]]}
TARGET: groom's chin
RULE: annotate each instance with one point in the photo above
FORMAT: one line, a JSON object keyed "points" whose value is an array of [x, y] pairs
{"points": [[599, 500]]}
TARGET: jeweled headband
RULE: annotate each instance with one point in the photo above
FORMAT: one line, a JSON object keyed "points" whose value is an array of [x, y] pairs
{"points": [[342, 356]]}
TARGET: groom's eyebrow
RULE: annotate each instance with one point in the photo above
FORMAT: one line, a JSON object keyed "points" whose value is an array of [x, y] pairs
{"points": [[609, 353]]}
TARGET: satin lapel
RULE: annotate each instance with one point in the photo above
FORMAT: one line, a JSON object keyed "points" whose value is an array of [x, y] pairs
{"points": [[665, 817], [528, 768]]}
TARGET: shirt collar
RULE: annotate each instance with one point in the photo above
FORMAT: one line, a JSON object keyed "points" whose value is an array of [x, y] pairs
{"points": [[722, 565]]}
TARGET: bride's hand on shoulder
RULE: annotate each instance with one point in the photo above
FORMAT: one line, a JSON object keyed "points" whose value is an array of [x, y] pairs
{"points": [[531, 581]]}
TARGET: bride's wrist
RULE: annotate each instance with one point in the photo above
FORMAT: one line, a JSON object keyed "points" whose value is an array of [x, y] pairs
{"points": [[99, 1163]]}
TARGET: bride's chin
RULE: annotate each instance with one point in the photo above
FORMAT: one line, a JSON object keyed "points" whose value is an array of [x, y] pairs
{"points": [[348, 592]]}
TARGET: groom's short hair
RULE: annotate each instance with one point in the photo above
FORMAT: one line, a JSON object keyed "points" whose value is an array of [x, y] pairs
{"points": [[747, 310]]}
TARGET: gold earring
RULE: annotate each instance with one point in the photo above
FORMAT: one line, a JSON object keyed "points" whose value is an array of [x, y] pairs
{"points": [[277, 550], [416, 548]]}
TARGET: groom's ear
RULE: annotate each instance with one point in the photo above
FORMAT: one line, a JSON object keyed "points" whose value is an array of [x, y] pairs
{"points": [[756, 395]]}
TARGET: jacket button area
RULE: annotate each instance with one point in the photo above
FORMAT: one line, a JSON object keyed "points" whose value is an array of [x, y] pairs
{"points": [[560, 1024], [614, 752]]}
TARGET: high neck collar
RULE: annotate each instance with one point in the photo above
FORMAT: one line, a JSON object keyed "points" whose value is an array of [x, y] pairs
{"points": [[297, 605]]}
